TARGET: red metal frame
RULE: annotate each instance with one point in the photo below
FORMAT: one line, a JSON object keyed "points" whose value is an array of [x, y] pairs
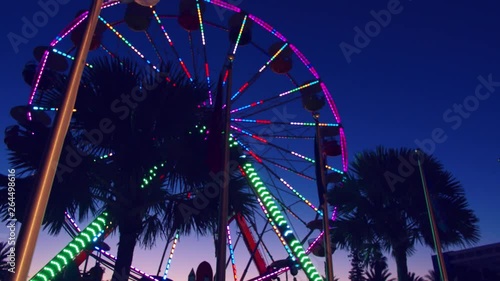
{"points": [[251, 244]]}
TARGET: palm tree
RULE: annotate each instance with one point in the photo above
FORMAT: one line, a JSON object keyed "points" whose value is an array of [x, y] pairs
{"points": [[379, 269], [155, 127], [432, 276], [413, 277], [4, 265], [334, 278], [72, 194], [158, 163], [385, 191], [357, 272], [374, 275]]}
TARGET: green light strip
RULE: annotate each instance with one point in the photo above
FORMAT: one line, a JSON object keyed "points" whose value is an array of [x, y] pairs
{"points": [[279, 220], [150, 176], [75, 247]]}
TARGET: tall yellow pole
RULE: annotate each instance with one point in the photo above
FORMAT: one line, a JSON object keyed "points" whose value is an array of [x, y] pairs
{"points": [[37, 212]]}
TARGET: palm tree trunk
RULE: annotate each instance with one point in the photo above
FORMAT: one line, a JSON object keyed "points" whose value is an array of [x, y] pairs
{"points": [[401, 264], [124, 256]]}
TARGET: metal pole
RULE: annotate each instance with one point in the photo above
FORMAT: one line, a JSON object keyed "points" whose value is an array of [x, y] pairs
{"points": [[164, 253], [324, 208], [254, 251], [224, 199], [35, 218], [432, 219]]}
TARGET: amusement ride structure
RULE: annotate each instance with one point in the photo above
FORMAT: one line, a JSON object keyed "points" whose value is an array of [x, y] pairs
{"points": [[282, 117]]}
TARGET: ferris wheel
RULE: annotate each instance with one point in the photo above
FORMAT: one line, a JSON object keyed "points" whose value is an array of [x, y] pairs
{"points": [[278, 104]]}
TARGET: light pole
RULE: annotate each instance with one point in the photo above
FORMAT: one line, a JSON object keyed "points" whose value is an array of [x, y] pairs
{"points": [[323, 200], [432, 219], [39, 204], [224, 198], [313, 102]]}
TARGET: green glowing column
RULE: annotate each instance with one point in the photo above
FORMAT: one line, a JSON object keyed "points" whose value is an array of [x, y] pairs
{"points": [[277, 218], [73, 249]]}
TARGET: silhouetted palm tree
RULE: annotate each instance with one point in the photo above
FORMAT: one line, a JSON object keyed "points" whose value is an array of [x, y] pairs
{"points": [[70, 193], [145, 159], [379, 269], [413, 277], [385, 192], [334, 278], [156, 127], [432, 276], [4, 265]]}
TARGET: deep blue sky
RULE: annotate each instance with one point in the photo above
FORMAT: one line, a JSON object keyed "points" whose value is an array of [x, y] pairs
{"points": [[395, 91]]}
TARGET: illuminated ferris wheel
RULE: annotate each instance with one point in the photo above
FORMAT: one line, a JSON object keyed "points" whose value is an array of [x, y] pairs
{"points": [[275, 104]]}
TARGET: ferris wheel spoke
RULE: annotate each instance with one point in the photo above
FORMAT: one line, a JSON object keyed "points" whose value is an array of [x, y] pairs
{"points": [[257, 75], [171, 43], [277, 132], [68, 56], [150, 39], [231, 253], [293, 190], [254, 104], [205, 56], [124, 40], [242, 28], [247, 149], [269, 106], [253, 247], [288, 169], [193, 57], [260, 159], [273, 136], [281, 149], [109, 52]]}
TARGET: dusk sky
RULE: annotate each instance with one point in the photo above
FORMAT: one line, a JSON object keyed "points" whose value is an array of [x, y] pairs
{"points": [[431, 71]]}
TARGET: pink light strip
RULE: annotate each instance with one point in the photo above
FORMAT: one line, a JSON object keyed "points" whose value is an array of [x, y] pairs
{"points": [[331, 103], [305, 61], [267, 27], [308, 251], [224, 5], [334, 217], [73, 222], [268, 276], [131, 267], [39, 76], [345, 161]]}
